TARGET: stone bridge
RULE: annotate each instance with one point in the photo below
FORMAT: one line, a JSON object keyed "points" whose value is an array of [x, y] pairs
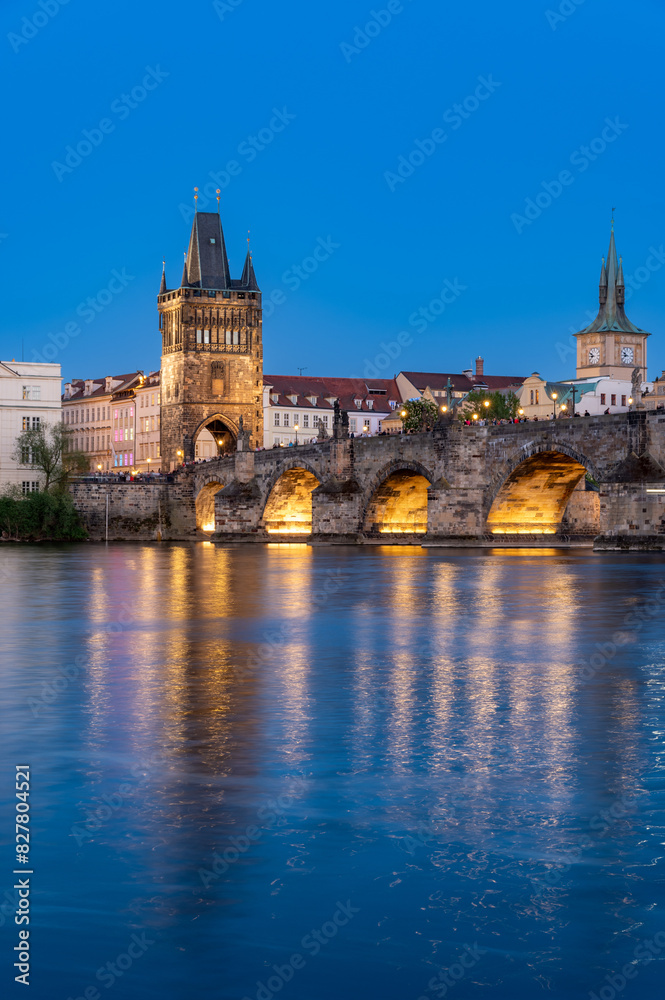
{"points": [[591, 477]]}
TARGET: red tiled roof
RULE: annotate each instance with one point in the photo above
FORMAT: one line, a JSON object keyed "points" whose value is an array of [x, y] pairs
{"points": [[460, 381], [346, 390], [78, 385]]}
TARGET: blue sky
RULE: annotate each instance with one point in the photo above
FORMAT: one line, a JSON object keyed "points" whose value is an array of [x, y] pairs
{"points": [[336, 111]]}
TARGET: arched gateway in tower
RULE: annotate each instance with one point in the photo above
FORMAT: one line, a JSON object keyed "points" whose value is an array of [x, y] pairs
{"points": [[212, 349]]}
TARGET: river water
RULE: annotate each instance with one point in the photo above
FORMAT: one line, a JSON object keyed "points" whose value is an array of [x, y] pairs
{"points": [[322, 773]]}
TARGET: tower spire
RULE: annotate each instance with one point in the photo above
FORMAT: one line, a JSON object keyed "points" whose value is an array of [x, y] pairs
{"points": [[611, 314], [185, 280], [162, 287]]}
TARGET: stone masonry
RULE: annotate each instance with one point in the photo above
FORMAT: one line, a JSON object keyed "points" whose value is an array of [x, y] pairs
{"points": [[514, 479]]}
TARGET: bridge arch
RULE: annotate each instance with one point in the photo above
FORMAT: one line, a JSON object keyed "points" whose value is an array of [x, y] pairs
{"points": [[532, 494], [396, 499], [205, 503], [288, 505], [224, 432]]}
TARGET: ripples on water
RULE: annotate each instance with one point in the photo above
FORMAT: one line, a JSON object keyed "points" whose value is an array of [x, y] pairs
{"points": [[407, 731]]}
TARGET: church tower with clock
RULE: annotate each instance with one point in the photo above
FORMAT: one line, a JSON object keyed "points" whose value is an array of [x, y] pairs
{"points": [[611, 345]]}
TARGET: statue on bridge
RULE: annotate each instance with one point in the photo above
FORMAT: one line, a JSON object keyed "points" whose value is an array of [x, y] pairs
{"points": [[340, 421], [636, 379], [243, 436]]}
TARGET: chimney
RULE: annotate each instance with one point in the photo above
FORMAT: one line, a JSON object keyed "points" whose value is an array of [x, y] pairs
{"points": [[480, 364]]}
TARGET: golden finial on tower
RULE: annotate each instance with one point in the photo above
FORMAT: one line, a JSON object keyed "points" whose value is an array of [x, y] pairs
{"points": [[613, 211], [196, 198], [249, 249]]}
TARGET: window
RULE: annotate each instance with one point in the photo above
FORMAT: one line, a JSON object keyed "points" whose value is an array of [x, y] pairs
{"points": [[532, 397], [325, 420], [613, 399], [623, 400], [141, 404], [152, 423], [226, 295], [152, 399], [277, 420], [31, 486], [115, 414], [206, 336], [353, 425], [26, 456], [275, 397], [286, 419], [121, 432], [602, 399], [199, 336], [305, 420], [32, 392], [211, 240]]}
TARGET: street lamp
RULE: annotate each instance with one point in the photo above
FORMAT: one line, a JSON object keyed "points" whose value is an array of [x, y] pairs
{"points": [[555, 396], [474, 416], [365, 428], [521, 412], [486, 403], [297, 428], [563, 407], [630, 400]]}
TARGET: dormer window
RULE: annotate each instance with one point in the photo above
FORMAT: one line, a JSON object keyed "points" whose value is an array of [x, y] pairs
{"points": [[358, 403], [370, 404], [293, 398], [313, 400], [275, 397], [211, 240]]}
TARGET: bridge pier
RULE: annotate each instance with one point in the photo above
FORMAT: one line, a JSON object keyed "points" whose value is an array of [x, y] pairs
{"points": [[337, 511], [632, 517], [454, 512]]}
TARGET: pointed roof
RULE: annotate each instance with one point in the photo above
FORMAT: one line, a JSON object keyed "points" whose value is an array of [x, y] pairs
{"points": [[603, 275], [248, 279], [162, 287], [611, 315], [207, 264], [185, 280]]}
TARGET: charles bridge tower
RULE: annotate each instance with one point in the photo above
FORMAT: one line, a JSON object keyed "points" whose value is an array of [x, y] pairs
{"points": [[212, 349]]}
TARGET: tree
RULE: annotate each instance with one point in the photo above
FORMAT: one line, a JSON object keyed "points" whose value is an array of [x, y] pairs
{"points": [[45, 449], [420, 415], [502, 406]]}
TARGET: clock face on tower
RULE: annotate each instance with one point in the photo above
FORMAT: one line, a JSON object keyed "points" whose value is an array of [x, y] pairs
{"points": [[627, 355], [594, 355]]}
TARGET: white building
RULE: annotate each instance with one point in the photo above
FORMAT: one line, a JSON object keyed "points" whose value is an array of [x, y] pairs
{"points": [[147, 456], [540, 399], [29, 397], [294, 406]]}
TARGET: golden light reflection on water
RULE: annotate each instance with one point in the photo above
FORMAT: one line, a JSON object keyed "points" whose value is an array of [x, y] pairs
{"points": [[459, 661]]}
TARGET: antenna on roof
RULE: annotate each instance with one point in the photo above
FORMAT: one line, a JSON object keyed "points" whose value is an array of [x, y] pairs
{"points": [[218, 192], [300, 370], [196, 198]]}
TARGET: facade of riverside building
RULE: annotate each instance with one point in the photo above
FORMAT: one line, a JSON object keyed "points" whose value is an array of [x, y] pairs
{"points": [[115, 421], [29, 398]]}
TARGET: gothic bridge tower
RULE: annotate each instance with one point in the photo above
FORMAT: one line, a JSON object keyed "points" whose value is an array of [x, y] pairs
{"points": [[212, 349]]}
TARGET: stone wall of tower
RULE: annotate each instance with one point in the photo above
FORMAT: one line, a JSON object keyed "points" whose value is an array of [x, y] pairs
{"points": [[201, 381]]}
